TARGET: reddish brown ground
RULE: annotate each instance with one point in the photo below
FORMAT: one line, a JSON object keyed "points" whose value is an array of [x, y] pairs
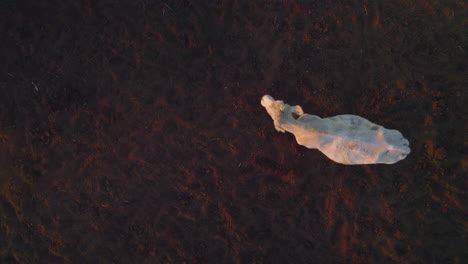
{"points": [[145, 140]]}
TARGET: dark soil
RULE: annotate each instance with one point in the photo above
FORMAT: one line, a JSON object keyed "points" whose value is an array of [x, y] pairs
{"points": [[131, 131]]}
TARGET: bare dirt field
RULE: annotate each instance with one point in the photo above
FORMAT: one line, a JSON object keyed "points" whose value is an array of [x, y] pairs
{"points": [[131, 131]]}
